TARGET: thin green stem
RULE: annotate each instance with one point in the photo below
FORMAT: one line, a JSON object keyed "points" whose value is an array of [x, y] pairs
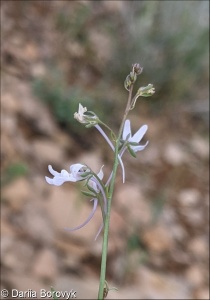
{"points": [[109, 200]]}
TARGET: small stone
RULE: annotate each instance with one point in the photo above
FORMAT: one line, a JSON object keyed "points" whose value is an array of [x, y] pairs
{"points": [[17, 193], [133, 205], [85, 289], [158, 239], [67, 209], [202, 293], [155, 285], [195, 275], [200, 147], [198, 247], [16, 255], [48, 152], [45, 265], [174, 155], [189, 197], [193, 216], [9, 103]]}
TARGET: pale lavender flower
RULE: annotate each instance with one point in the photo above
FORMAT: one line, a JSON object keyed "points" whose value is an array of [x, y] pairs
{"points": [[80, 116], [135, 139], [77, 173], [86, 117]]}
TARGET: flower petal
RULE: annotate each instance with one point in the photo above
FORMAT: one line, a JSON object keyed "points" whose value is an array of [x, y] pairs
{"points": [[74, 169], [139, 134], [101, 173], [88, 219], [55, 181], [126, 129], [81, 109], [53, 172], [49, 180], [139, 148], [64, 173]]}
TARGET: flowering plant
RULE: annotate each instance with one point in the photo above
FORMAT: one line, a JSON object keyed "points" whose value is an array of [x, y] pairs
{"points": [[102, 193]]}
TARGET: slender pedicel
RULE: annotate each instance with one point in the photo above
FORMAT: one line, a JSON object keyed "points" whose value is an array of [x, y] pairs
{"points": [[98, 127]]}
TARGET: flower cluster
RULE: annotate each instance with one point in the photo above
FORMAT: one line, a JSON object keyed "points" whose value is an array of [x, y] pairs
{"points": [[96, 189], [80, 172]]}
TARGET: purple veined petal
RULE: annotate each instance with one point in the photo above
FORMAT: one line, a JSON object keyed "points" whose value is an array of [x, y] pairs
{"points": [[126, 129], [88, 219], [53, 172], [99, 231], [139, 134]]}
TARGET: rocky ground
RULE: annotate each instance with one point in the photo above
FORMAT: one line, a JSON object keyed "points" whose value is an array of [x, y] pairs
{"points": [[158, 247]]}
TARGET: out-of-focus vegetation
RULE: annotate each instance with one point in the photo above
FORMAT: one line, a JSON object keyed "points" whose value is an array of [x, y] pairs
{"points": [[71, 52], [168, 38], [13, 171]]}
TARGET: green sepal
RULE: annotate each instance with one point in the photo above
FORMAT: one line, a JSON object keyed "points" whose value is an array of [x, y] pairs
{"points": [[113, 136], [90, 125], [89, 187], [89, 194], [132, 153], [133, 144]]}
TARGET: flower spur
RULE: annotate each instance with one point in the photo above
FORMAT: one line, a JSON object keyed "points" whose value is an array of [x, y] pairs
{"points": [[79, 172]]}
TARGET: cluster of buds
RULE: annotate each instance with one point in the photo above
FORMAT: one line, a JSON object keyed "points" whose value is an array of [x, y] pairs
{"points": [[144, 91], [131, 78]]}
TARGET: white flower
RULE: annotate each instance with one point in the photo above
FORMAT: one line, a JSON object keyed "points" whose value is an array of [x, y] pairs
{"points": [[89, 118], [76, 171], [136, 138], [146, 91], [94, 183], [79, 116]]}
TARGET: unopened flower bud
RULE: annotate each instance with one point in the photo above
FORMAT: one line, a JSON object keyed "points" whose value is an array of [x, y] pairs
{"points": [[137, 69], [128, 83], [146, 91]]}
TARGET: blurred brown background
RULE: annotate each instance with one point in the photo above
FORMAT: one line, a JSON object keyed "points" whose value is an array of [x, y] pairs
{"points": [[55, 54]]}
